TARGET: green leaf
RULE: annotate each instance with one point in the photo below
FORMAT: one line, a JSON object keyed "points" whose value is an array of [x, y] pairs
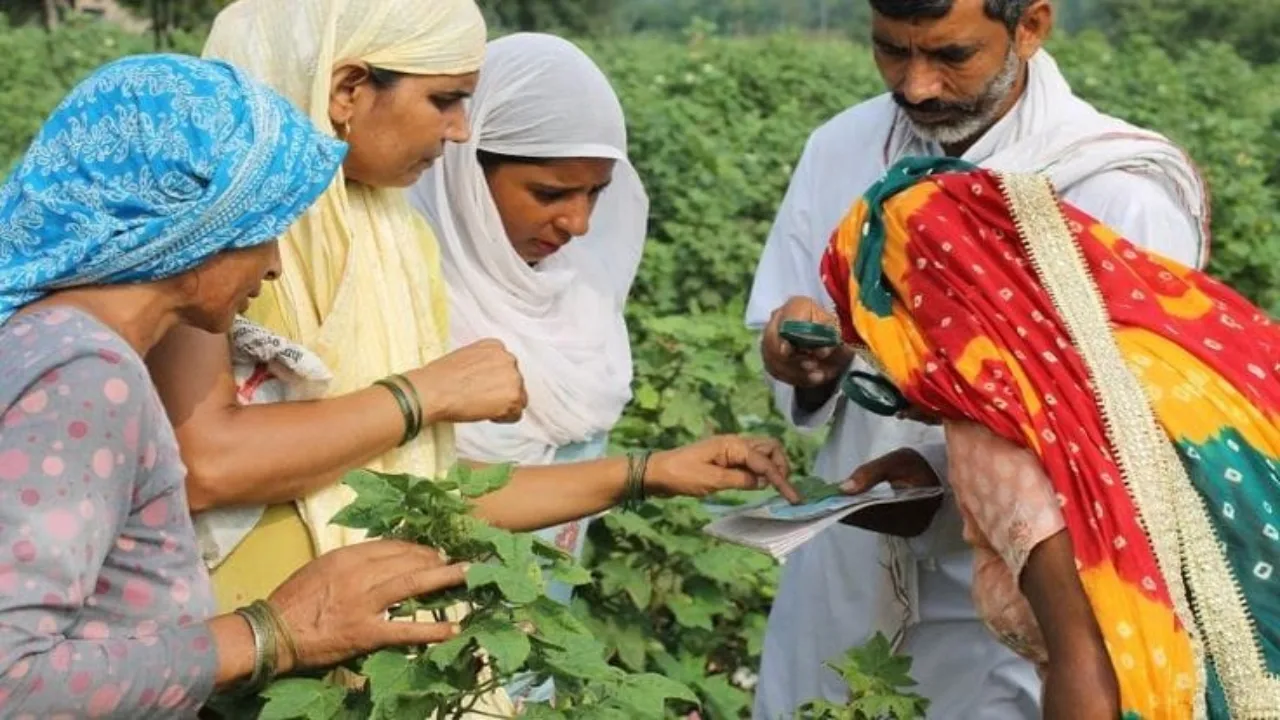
{"points": [[724, 563], [541, 711], [877, 678], [377, 489], [302, 699], [889, 706], [548, 551], [570, 573], [616, 575], [447, 652], [582, 658], [631, 643], [598, 712], [507, 644], [754, 627], [692, 612], [722, 699], [687, 668], [390, 674], [646, 695], [475, 482], [379, 501], [516, 586], [815, 489], [825, 710], [647, 397], [553, 623], [629, 523], [513, 549]]}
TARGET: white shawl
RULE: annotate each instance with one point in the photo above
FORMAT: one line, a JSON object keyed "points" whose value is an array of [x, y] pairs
{"points": [[540, 96]]}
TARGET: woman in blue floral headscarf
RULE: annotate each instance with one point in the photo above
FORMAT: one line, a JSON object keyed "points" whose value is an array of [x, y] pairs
{"points": [[151, 197]]}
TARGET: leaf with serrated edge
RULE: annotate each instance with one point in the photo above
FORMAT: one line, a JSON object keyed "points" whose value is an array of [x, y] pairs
{"points": [[505, 643], [515, 586], [484, 480], [646, 695], [570, 573], [302, 699]]}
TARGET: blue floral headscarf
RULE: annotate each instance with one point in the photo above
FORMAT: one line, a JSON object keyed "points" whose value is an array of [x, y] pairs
{"points": [[147, 169]]}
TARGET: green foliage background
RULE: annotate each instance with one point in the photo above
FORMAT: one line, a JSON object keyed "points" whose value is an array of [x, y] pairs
{"points": [[716, 125]]}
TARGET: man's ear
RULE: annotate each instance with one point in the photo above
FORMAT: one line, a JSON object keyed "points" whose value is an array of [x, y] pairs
{"points": [[1033, 29]]}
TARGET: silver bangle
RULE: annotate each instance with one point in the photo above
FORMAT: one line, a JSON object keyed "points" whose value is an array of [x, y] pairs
{"points": [[264, 649]]}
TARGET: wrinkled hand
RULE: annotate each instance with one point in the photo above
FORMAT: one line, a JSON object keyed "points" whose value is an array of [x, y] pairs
{"points": [[335, 606], [795, 366], [726, 462], [481, 381], [903, 468]]}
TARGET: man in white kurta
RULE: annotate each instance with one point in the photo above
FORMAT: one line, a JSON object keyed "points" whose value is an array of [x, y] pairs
{"points": [[836, 591]]}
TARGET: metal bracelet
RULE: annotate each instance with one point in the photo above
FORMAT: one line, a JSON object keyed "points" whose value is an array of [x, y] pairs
{"points": [[283, 635], [264, 649]]}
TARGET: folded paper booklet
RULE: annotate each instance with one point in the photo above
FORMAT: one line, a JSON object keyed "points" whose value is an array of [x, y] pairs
{"points": [[777, 527]]}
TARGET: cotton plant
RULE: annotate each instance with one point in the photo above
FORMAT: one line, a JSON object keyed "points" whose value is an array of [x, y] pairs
{"points": [[512, 627]]}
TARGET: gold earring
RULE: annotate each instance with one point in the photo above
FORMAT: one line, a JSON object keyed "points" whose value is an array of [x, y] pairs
{"points": [[345, 130]]}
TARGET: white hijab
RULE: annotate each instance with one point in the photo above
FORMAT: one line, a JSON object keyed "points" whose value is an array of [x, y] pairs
{"points": [[540, 96]]}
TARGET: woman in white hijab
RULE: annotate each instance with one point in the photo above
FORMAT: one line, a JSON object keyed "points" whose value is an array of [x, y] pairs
{"points": [[541, 220]]}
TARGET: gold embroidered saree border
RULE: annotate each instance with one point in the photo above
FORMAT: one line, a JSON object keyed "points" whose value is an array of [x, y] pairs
{"points": [[1171, 512]]}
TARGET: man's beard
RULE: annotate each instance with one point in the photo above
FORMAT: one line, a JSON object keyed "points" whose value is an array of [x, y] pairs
{"points": [[973, 116]]}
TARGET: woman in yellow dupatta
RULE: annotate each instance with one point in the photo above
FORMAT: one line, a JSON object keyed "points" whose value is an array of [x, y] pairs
{"points": [[361, 299], [361, 286]]}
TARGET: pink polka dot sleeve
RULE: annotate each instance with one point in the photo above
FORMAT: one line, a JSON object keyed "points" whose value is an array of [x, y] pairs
{"points": [[102, 595]]}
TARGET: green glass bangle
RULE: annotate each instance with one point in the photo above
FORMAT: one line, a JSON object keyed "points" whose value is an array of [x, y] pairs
{"points": [[633, 494], [641, 492], [419, 419], [406, 408], [415, 399]]}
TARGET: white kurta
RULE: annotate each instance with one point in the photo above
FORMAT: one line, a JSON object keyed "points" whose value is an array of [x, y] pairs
{"points": [[833, 589]]}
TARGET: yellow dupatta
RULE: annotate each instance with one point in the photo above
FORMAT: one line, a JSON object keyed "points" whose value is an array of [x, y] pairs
{"points": [[362, 285]]}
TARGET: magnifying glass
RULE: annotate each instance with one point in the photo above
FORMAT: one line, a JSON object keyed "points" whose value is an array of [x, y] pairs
{"points": [[874, 392], [809, 335]]}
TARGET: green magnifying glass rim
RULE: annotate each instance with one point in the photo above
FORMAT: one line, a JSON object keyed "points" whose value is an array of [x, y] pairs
{"points": [[874, 393], [809, 334]]}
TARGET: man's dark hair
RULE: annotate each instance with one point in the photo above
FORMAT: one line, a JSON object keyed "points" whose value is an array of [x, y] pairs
{"points": [[1008, 12]]}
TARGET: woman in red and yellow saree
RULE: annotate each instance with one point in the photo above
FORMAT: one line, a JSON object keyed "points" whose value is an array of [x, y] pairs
{"points": [[1091, 386]]}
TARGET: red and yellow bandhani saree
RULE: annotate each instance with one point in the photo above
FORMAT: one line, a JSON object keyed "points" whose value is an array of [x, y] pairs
{"points": [[1148, 393]]}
